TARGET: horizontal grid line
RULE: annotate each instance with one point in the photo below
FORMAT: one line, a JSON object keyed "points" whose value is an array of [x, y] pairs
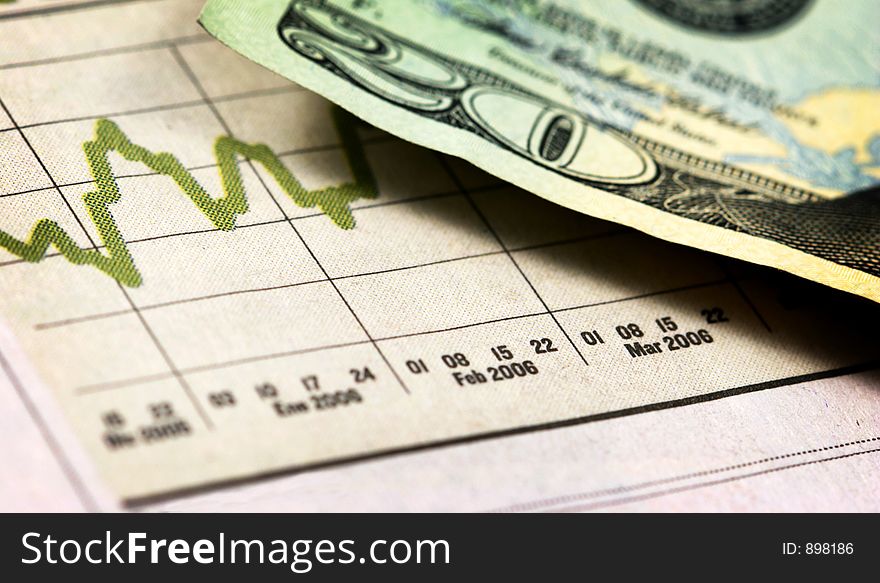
{"points": [[192, 103], [101, 387], [282, 154], [297, 218], [276, 221], [98, 387], [258, 358], [65, 7], [582, 238], [408, 267], [555, 311], [248, 225], [197, 232], [148, 307], [463, 326], [646, 295], [121, 50], [86, 389]]}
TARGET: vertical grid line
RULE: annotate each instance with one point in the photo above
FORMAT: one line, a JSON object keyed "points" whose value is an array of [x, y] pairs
{"points": [[168, 360], [719, 261], [164, 353], [507, 252], [209, 102]]}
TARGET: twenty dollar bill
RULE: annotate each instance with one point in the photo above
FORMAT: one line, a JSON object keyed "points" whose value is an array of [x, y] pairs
{"points": [[750, 129]]}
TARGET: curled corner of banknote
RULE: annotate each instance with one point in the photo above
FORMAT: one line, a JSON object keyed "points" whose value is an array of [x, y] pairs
{"points": [[730, 130]]}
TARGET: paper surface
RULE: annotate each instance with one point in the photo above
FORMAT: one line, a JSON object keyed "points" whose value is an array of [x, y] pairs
{"points": [[454, 312]]}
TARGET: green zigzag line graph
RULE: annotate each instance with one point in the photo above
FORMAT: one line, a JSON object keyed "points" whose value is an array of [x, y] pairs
{"points": [[118, 263]]}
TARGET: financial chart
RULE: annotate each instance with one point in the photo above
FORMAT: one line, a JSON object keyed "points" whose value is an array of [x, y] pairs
{"points": [[219, 275]]}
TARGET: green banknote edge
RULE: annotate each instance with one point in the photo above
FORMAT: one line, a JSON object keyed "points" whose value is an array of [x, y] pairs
{"points": [[249, 28]]}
